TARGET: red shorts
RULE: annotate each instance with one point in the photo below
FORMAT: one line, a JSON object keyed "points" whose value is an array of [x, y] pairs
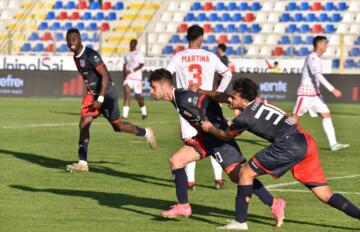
{"points": [[86, 107], [309, 171]]}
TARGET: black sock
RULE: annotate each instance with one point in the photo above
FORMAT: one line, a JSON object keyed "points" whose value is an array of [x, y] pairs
{"points": [[339, 202], [262, 193], [141, 132], [242, 202], [180, 180], [83, 150]]}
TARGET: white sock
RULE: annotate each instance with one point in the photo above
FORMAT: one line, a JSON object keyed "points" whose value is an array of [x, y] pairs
{"points": [[329, 130], [83, 162], [143, 110], [217, 168], [126, 110], [190, 171]]}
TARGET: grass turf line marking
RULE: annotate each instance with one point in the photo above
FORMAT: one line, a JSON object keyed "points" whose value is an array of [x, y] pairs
{"points": [[308, 191]]}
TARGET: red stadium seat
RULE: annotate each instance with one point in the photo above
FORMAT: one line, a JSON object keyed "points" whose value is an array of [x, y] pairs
{"points": [[317, 28], [223, 39], [82, 5], [75, 15], [249, 17], [183, 28], [63, 15], [208, 6], [277, 51], [316, 6], [207, 27], [105, 27], [50, 48], [179, 48], [106, 6], [46, 36]]}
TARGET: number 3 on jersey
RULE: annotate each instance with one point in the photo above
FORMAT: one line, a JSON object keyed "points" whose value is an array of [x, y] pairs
{"points": [[196, 70]]}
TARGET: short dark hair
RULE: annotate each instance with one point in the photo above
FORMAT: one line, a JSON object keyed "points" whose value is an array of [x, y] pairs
{"points": [[222, 47], [317, 39], [73, 30], [194, 32], [161, 74], [247, 88], [276, 63]]}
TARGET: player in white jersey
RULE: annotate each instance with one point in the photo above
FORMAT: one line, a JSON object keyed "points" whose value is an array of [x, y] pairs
{"points": [[197, 67], [133, 64], [308, 93]]}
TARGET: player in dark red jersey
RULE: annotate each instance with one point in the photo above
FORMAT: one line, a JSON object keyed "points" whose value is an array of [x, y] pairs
{"points": [[195, 108], [101, 98], [291, 149]]}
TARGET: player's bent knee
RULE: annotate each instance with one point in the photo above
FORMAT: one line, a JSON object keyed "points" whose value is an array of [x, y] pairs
{"points": [[323, 193]]}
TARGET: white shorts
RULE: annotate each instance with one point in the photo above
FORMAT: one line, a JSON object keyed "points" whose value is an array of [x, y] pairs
{"points": [[135, 85], [313, 104], [187, 131]]}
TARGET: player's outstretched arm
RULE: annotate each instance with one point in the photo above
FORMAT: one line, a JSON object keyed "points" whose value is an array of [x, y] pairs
{"points": [[225, 135]]}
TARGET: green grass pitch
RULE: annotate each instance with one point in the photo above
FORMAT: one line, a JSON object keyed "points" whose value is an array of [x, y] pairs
{"points": [[129, 184]]}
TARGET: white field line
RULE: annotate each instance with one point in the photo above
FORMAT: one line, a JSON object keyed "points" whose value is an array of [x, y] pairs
{"points": [[308, 191], [296, 182]]}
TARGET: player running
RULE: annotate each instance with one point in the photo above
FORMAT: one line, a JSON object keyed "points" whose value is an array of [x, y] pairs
{"points": [[101, 98], [197, 67], [133, 64], [308, 94], [291, 149], [195, 108]]}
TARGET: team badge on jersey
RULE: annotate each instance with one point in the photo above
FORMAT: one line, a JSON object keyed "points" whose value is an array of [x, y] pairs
{"points": [[82, 63]]}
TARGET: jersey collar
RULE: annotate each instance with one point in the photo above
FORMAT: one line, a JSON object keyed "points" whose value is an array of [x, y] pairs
{"points": [[82, 51]]}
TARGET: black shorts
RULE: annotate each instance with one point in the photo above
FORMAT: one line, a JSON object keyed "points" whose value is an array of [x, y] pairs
{"points": [[280, 157], [227, 154]]}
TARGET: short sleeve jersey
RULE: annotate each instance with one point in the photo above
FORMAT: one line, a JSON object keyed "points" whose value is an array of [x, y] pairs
{"points": [[133, 59], [88, 63], [196, 66], [310, 85], [264, 120]]}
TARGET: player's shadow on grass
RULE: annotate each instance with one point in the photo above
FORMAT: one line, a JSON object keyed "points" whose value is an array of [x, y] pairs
{"points": [[126, 202], [67, 113]]}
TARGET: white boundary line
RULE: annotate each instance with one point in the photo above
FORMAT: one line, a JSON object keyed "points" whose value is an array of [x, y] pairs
{"points": [[308, 191]]}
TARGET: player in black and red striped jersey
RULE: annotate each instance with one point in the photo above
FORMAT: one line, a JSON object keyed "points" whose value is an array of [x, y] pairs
{"points": [[101, 98], [196, 108], [291, 149]]}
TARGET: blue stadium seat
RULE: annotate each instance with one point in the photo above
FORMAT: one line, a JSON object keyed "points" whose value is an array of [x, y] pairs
{"points": [[90, 45], [214, 49], [290, 51], [205, 48], [26, 47], [230, 28], [39, 47], [329, 6], [50, 15], [34, 36], [291, 28], [232, 6], [229, 50], [303, 51], [247, 39], [240, 51], [298, 17], [43, 26], [335, 63], [309, 39], [58, 5], [70, 5], [62, 48], [92, 26], [56, 26], [220, 6], [349, 63], [311, 17], [242, 28], [304, 6], [244, 6], [237, 17], [175, 38], [118, 6], [291, 6], [234, 39], [284, 39], [95, 5], [85, 37], [168, 50], [67, 26], [354, 52], [342, 6], [210, 39], [196, 6], [95, 37], [297, 40], [330, 28], [99, 16], [256, 6], [201, 17], [86, 16], [189, 17], [305, 28], [213, 17], [336, 17], [323, 17], [285, 17], [255, 28], [225, 17], [112, 16], [59, 36], [219, 28], [80, 26], [357, 41], [184, 39]]}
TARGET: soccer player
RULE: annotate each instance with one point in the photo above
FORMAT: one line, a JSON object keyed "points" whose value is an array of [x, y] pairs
{"points": [[197, 67], [308, 93], [195, 108], [101, 98], [133, 64], [291, 149]]}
